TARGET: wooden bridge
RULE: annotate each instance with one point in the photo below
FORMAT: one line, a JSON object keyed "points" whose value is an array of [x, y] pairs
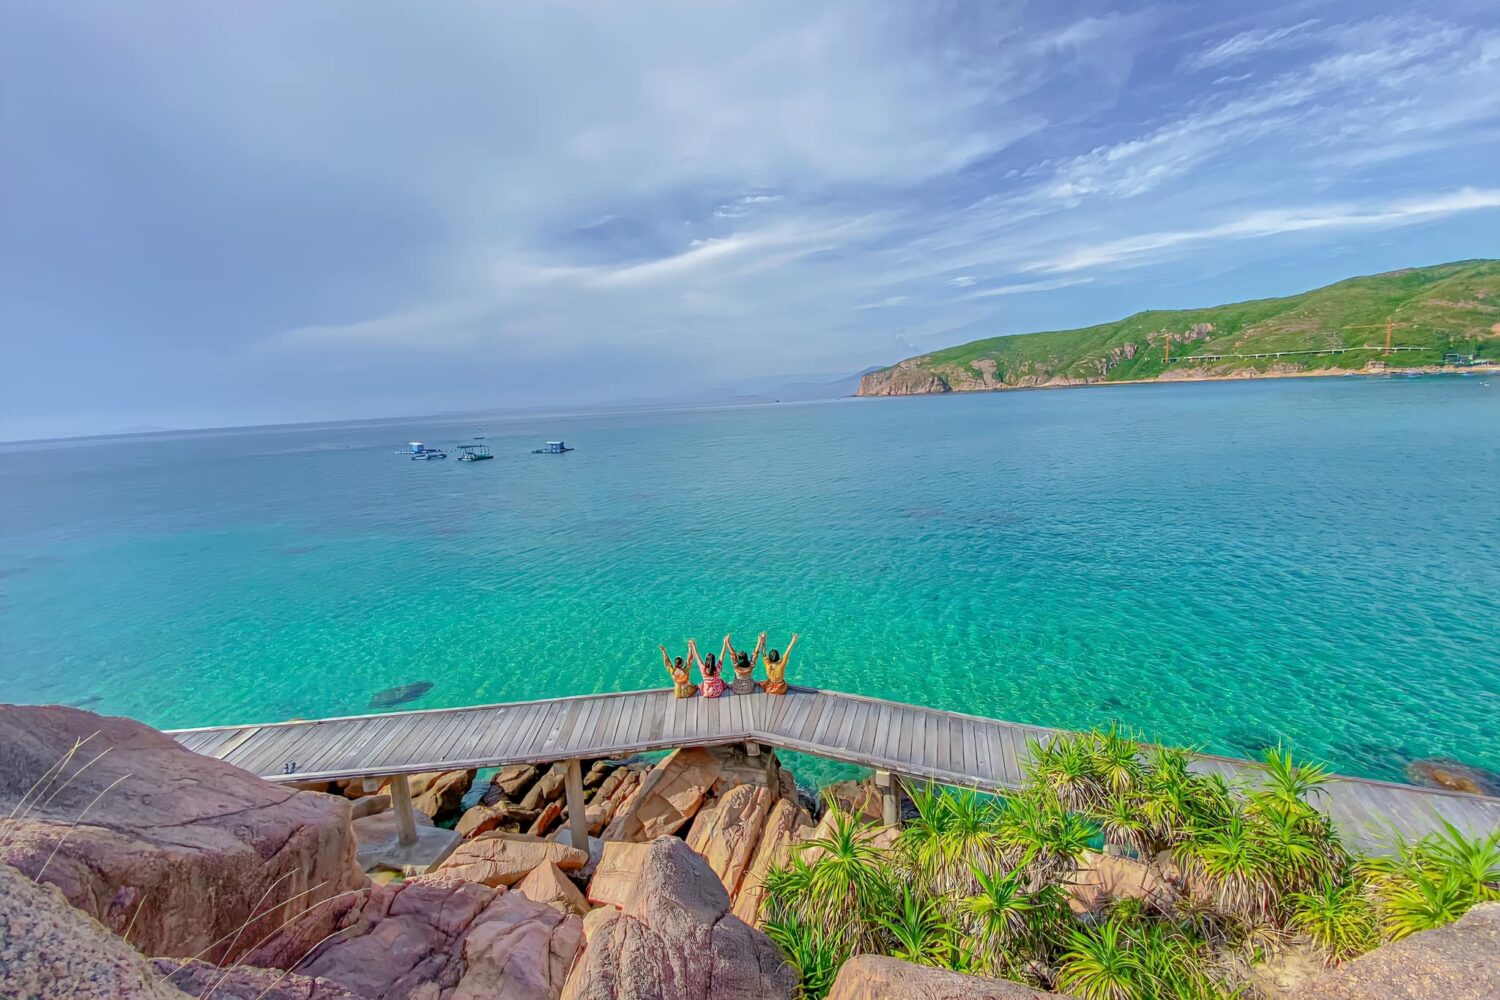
{"points": [[891, 738]]}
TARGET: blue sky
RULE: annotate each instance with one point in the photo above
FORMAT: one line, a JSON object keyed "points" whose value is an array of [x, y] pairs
{"points": [[223, 213]]}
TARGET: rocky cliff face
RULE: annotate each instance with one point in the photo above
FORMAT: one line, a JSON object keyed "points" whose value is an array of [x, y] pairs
{"points": [[908, 378], [142, 834]]}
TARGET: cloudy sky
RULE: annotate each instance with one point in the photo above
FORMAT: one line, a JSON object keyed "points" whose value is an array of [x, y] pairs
{"points": [[225, 213]]}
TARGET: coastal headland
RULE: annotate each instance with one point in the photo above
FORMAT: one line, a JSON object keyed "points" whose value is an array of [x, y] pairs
{"points": [[1430, 320]]}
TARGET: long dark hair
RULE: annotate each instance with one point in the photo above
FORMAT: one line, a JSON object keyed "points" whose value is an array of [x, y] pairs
{"points": [[711, 665]]}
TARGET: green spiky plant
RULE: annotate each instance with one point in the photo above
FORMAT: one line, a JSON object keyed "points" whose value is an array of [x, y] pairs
{"points": [[1232, 871]]}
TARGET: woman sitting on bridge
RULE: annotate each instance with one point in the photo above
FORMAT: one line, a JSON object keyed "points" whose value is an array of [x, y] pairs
{"points": [[711, 668], [775, 682], [682, 677], [744, 666]]}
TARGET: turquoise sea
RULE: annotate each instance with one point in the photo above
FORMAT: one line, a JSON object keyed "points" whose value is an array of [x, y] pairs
{"points": [[1230, 564]]}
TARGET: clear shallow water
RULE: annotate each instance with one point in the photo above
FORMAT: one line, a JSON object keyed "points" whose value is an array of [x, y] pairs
{"points": [[1225, 564]]}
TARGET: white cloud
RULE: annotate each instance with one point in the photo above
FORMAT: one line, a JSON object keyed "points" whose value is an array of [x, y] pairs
{"points": [[1248, 43], [1023, 287], [1274, 222], [888, 302], [963, 281]]}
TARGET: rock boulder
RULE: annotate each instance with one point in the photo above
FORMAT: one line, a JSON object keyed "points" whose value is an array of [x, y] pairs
{"points": [[876, 977], [667, 798], [435, 939], [675, 938], [199, 979], [494, 859], [49, 949], [728, 831], [1458, 962], [786, 825], [183, 849], [547, 884], [510, 783], [437, 794]]}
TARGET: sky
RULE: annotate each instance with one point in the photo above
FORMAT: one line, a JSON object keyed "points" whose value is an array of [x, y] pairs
{"points": [[237, 213]]}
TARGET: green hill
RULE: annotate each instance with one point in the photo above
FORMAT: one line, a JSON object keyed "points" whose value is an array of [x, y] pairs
{"points": [[1435, 310]]}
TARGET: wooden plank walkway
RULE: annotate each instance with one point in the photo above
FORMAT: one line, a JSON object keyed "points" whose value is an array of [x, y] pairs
{"points": [[908, 740]]}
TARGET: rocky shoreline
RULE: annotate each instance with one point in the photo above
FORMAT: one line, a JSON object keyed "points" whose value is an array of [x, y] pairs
{"points": [[910, 378], [131, 868]]}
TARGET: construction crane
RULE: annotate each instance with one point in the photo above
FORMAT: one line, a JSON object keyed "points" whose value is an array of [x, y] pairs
{"points": [[1389, 326]]}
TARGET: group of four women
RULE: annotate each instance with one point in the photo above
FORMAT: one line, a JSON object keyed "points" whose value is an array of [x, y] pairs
{"points": [[711, 668]]}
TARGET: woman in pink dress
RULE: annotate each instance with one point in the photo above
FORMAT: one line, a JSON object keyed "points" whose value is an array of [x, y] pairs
{"points": [[711, 668]]}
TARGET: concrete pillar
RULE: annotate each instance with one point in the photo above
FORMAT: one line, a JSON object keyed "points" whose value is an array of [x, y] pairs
{"points": [[578, 823], [890, 806], [406, 816]]}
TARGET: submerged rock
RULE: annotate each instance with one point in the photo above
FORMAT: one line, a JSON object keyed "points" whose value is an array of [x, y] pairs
{"points": [[400, 694], [1439, 772]]}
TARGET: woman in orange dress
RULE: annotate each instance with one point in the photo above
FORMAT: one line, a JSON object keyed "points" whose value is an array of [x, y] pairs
{"points": [[775, 682], [682, 677]]}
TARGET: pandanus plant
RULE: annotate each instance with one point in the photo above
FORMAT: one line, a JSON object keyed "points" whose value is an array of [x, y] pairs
{"points": [[981, 882]]}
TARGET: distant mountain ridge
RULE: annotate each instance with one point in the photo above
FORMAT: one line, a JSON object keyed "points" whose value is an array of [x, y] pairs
{"points": [[1338, 328]]}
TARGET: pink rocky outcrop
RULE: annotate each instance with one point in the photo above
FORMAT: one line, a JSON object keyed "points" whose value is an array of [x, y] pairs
{"points": [[787, 824], [184, 850], [48, 948], [547, 884], [675, 938], [727, 832], [436, 794], [506, 858], [240, 982], [435, 939], [876, 977], [667, 798]]}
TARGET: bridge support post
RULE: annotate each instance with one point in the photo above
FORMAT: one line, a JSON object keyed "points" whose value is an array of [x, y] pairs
{"points": [[406, 817], [578, 823], [890, 808]]}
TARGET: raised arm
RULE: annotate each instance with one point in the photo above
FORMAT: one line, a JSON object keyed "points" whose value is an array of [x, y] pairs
{"points": [[760, 647], [666, 660], [726, 652], [693, 653], [787, 653]]}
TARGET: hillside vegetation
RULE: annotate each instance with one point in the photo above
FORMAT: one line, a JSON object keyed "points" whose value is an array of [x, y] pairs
{"points": [[1448, 307]]}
